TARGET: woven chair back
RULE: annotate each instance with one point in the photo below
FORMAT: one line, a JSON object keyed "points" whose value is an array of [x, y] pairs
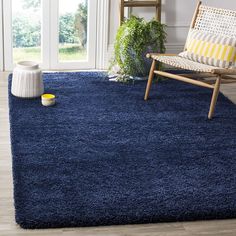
{"points": [[216, 21]]}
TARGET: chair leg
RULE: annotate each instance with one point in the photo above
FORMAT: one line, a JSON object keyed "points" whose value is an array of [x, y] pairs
{"points": [[214, 98], [150, 79]]}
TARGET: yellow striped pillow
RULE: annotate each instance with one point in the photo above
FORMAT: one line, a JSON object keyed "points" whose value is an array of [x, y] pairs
{"points": [[210, 49]]}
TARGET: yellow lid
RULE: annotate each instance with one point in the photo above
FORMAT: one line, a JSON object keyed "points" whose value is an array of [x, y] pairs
{"points": [[48, 96]]}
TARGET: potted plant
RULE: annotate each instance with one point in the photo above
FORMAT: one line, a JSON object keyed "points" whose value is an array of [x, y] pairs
{"points": [[135, 38]]}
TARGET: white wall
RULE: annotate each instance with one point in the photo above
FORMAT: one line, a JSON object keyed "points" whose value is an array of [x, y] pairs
{"points": [[176, 14]]}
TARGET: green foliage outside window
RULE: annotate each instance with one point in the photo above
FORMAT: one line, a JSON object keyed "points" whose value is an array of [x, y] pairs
{"points": [[31, 4], [67, 29], [25, 33], [73, 27]]}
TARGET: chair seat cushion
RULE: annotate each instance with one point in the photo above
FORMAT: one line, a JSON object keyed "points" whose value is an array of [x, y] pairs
{"points": [[183, 63], [210, 49]]}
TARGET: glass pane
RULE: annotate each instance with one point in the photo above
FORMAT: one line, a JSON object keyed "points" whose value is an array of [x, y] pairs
{"points": [[73, 30], [26, 30]]}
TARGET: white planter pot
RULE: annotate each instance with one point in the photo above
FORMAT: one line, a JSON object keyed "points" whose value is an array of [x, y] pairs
{"points": [[27, 80]]}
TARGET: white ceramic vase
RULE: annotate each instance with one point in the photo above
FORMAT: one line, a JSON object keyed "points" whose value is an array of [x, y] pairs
{"points": [[27, 81]]}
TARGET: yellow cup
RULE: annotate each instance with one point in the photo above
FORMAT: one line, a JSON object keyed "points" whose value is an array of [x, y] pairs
{"points": [[48, 100]]}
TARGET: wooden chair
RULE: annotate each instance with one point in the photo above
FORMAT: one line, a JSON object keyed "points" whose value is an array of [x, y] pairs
{"points": [[208, 19]]}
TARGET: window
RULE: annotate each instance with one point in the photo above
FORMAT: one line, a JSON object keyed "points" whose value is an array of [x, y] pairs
{"points": [[59, 34]]}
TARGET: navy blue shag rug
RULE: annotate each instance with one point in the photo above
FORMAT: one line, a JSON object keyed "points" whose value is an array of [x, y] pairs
{"points": [[103, 156]]}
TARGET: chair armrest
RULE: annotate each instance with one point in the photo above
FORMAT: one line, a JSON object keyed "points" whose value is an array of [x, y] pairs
{"points": [[151, 55]]}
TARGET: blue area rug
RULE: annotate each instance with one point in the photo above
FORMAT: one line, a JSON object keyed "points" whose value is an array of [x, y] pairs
{"points": [[103, 156]]}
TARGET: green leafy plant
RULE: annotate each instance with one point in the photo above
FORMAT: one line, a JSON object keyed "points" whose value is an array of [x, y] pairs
{"points": [[135, 38]]}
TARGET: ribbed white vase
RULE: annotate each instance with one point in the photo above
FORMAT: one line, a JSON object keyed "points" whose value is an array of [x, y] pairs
{"points": [[27, 81]]}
